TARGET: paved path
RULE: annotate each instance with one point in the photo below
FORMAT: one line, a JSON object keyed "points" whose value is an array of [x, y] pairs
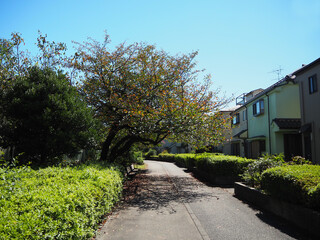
{"points": [[169, 203]]}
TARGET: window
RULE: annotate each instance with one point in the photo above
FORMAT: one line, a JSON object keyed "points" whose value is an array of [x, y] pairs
{"points": [[236, 119], [313, 86], [262, 145], [258, 107], [244, 115]]}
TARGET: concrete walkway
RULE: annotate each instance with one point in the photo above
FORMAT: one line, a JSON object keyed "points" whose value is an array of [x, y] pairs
{"points": [[168, 203]]}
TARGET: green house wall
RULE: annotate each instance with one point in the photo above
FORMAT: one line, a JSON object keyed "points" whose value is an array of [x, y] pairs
{"points": [[281, 102]]}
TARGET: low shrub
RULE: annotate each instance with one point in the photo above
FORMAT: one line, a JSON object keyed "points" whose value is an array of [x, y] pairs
{"points": [[168, 157], [136, 157], [294, 183], [186, 160], [56, 203], [222, 165], [215, 164], [252, 175], [150, 153]]}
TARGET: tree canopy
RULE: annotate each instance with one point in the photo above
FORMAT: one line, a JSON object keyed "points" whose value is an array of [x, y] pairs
{"points": [[43, 117], [41, 114], [139, 94], [144, 95]]}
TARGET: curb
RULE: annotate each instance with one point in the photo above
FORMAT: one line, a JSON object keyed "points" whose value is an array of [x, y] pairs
{"points": [[299, 216], [218, 180]]}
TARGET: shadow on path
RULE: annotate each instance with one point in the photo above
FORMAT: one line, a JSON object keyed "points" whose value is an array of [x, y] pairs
{"points": [[150, 192]]}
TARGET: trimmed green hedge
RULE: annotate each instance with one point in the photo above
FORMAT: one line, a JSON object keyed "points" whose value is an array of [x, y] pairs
{"points": [[212, 163], [168, 157], [294, 183], [223, 165], [56, 203]]}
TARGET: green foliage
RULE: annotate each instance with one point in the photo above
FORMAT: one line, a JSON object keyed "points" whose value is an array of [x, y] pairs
{"points": [[151, 153], [56, 203], [298, 160], [186, 160], [223, 165], [212, 163], [144, 95], [43, 117], [168, 157], [136, 157], [294, 183], [252, 176]]}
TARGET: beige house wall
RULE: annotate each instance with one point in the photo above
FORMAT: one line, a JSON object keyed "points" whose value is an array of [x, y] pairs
{"points": [[310, 108]]}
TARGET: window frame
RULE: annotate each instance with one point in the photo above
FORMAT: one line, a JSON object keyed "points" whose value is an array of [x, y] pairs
{"points": [[236, 119], [258, 107], [244, 115], [313, 84]]}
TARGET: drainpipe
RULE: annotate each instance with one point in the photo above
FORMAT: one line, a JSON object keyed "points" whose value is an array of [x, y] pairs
{"points": [[246, 140], [269, 130]]}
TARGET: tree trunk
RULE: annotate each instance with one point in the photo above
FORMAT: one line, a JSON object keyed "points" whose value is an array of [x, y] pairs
{"points": [[106, 144]]}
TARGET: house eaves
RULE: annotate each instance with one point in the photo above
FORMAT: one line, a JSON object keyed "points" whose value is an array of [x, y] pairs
{"points": [[288, 123], [305, 67], [288, 78]]}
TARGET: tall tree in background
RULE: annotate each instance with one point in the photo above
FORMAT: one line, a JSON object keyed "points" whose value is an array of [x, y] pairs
{"points": [[41, 113], [43, 117], [144, 95]]}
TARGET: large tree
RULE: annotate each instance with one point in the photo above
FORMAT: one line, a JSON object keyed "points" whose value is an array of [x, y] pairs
{"points": [[144, 95], [43, 117]]}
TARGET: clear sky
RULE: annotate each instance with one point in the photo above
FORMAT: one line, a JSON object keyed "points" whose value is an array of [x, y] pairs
{"points": [[240, 43]]}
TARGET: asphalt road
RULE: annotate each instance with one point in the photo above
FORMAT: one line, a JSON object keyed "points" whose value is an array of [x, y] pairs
{"points": [[168, 203]]}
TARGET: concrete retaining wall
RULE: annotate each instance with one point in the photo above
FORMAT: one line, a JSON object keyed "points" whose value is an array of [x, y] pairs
{"points": [[300, 216], [219, 180]]}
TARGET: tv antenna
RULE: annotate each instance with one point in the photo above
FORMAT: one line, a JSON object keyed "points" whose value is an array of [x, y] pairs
{"points": [[278, 72]]}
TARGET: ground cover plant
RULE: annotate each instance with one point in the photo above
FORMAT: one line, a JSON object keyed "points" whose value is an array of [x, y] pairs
{"points": [[294, 183], [55, 202]]}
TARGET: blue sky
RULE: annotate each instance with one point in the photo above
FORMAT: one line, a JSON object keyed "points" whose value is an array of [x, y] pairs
{"points": [[240, 43]]}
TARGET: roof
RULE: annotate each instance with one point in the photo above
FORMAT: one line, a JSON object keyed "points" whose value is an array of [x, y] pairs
{"points": [[239, 133], [230, 109], [306, 128], [288, 123], [305, 67], [288, 78]]}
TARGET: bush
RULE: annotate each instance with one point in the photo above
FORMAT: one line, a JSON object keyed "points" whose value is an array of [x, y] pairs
{"points": [[298, 160], [216, 164], [252, 176], [294, 183], [222, 165], [136, 157], [56, 203], [186, 160], [151, 153], [168, 157]]}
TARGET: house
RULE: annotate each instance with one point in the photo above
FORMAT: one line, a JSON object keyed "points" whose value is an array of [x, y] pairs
{"points": [[226, 146], [173, 147], [270, 121], [307, 78], [240, 124]]}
